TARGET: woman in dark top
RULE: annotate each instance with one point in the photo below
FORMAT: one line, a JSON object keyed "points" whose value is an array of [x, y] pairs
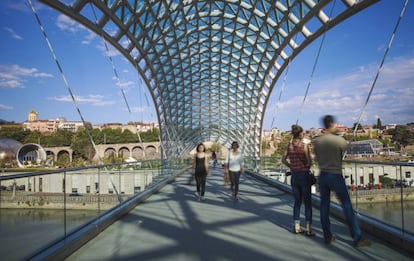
{"points": [[200, 170], [297, 158]]}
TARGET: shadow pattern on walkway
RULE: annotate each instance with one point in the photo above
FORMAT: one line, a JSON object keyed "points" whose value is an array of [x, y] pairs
{"points": [[174, 225]]}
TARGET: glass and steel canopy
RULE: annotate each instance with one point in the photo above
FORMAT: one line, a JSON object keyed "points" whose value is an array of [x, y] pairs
{"points": [[210, 65]]}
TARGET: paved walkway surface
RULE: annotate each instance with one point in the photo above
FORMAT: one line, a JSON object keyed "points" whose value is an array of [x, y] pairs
{"points": [[174, 225]]}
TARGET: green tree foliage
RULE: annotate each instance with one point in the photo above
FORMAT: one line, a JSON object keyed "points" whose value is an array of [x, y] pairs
{"points": [[357, 125], [64, 137], [386, 181], [283, 144], [33, 137], [14, 132], [82, 146], [265, 145], [97, 136], [379, 124], [129, 137], [63, 160], [57, 139], [150, 135], [112, 136], [215, 147], [402, 136]]}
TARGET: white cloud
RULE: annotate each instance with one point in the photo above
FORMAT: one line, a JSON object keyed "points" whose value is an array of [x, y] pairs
{"points": [[125, 84], [5, 107], [13, 33], [13, 76], [108, 50], [94, 100], [139, 109], [345, 96], [89, 38], [69, 25]]}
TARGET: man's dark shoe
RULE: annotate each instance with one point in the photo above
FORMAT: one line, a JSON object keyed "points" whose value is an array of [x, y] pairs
{"points": [[362, 243], [330, 240]]}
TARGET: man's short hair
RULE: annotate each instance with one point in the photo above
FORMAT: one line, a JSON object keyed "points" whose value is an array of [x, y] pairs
{"points": [[328, 120]]}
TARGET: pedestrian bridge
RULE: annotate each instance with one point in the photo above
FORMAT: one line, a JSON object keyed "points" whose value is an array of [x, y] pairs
{"points": [[173, 225], [167, 222]]}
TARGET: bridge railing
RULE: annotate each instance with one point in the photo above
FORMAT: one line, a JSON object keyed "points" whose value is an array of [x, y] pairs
{"points": [[381, 190], [61, 202]]}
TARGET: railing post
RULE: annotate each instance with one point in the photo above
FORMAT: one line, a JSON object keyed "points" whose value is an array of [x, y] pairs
{"points": [[402, 201], [64, 203]]}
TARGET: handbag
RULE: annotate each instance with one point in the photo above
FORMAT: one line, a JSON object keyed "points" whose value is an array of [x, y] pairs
{"points": [[312, 177]]}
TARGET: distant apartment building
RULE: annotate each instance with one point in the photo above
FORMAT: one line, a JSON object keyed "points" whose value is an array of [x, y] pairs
{"points": [[70, 125], [51, 125], [390, 126], [41, 125], [274, 133], [132, 127], [342, 128]]}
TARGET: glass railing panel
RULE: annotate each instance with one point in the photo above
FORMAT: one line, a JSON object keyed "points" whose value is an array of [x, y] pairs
{"points": [[384, 191], [406, 185], [39, 208], [369, 193], [271, 167], [35, 211]]}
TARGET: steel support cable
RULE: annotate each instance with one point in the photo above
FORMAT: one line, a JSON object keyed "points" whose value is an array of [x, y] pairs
{"points": [[380, 66], [315, 65], [282, 88], [118, 81], [379, 69], [70, 92], [63, 76]]}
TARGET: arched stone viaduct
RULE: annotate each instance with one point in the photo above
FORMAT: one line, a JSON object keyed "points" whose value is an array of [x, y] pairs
{"points": [[151, 150]]}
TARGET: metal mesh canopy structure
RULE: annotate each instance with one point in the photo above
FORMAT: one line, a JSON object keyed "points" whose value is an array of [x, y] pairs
{"points": [[210, 65]]}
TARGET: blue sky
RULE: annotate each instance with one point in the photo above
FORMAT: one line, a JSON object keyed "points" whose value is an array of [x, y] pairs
{"points": [[345, 71]]}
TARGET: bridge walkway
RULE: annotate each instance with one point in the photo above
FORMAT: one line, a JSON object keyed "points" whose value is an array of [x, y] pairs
{"points": [[174, 225]]}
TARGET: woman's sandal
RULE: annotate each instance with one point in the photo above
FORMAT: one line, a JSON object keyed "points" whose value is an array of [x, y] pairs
{"points": [[310, 234], [297, 230]]}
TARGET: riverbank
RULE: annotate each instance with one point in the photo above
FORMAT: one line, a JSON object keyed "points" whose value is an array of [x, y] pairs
{"points": [[386, 195], [59, 201]]}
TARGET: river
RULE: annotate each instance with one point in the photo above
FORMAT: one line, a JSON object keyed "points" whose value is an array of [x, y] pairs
{"points": [[23, 231], [391, 213]]}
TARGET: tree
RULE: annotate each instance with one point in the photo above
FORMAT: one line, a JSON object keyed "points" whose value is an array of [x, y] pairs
{"points": [[215, 147], [57, 139], [379, 124], [112, 136], [82, 146], [283, 144], [14, 132], [63, 160], [129, 137], [33, 137], [150, 135], [402, 136], [357, 125]]}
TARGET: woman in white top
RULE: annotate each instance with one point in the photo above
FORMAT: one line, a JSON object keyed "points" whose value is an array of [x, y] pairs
{"points": [[234, 166]]}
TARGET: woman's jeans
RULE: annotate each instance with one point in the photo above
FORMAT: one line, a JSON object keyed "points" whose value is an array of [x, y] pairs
{"points": [[235, 180], [301, 189], [335, 182]]}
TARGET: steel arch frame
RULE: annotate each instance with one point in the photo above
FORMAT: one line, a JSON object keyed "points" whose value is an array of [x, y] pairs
{"points": [[210, 66]]}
